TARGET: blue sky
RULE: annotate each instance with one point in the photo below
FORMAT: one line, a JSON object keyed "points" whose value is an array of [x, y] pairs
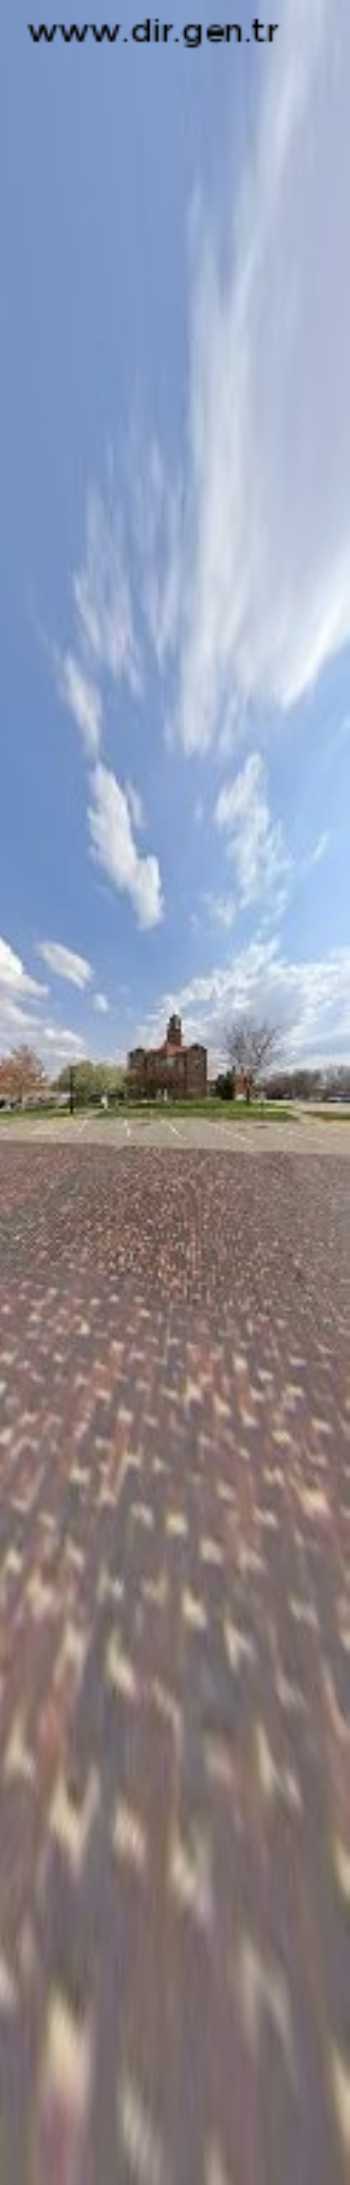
{"points": [[175, 597]]}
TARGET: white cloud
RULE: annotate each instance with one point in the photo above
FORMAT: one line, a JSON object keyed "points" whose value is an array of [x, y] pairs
{"points": [[310, 1001], [255, 842], [102, 596], [13, 978], [265, 547], [15, 1023], [135, 805], [320, 848], [64, 1042], [341, 734], [243, 564], [83, 700], [18, 1022], [115, 850], [18, 1019], [222, 909], [106, 634], [101, 1004], [157, 528], [65, 963], [233, 727]]}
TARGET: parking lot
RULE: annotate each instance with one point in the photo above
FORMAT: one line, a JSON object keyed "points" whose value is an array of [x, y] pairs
{"points": [[303, 1133]]}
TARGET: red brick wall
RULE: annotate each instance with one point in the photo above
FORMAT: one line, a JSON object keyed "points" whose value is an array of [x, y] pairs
{"points": [[184, 1073]]}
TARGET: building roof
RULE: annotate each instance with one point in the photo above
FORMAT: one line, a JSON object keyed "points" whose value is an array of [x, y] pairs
{"points": [[172, 1046]]}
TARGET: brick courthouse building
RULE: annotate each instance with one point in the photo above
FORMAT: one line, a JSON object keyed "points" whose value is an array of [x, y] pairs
{"points": [[175, 1069]]}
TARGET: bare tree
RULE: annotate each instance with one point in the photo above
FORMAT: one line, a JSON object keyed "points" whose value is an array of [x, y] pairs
{"points": [[251, 1048]]}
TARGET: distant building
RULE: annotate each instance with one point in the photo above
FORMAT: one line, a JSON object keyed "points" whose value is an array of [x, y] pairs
{"points": [[173, 1069]]}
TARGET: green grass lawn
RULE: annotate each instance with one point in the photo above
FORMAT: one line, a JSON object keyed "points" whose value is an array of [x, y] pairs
{"points": [[32, 1115], [222, 1111], [324, 1115]]}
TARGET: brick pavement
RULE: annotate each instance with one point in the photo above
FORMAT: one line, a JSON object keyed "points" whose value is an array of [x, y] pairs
{"points": [[174, 1668]]}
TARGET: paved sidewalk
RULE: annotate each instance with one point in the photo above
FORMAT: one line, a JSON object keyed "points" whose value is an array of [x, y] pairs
{"points": [[174, 1666]]}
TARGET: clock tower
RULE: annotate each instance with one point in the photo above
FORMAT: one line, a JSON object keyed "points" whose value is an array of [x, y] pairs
{"points": [[174, 1034]]}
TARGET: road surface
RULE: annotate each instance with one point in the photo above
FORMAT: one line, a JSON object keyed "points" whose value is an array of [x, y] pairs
{"points": [[174, 1662], [302, 1134]]}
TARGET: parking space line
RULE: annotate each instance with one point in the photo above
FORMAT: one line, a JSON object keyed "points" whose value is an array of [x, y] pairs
{"points": [[232, 1131]]}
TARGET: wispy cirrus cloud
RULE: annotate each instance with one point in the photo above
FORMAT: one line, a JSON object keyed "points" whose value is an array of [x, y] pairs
{"points": [[222, 909], [102, 595], [101, 1004], [106, 634], [157, 514], [263, 599], [320, 849], [340, 734], [255, 843], [135, 805], [83, 700], [241, 605], [114, 848], [65, 963]]}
